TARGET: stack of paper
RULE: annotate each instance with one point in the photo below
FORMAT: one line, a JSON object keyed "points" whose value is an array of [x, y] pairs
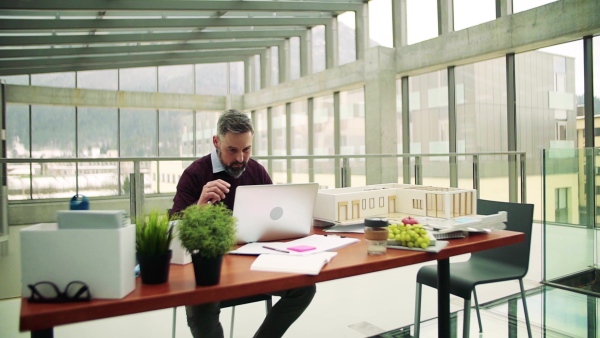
{"points": [[310, 265], [306, 255]]}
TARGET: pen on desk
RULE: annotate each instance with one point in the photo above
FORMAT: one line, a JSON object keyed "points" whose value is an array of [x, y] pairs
{"points": [[275, 249]]}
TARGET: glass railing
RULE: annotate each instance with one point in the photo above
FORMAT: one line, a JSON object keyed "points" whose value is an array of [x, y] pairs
{"points": [[570, 199]]}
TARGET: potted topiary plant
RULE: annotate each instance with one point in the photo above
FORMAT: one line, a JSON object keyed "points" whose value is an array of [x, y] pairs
{"points": [[152, 240], [207, 232]]}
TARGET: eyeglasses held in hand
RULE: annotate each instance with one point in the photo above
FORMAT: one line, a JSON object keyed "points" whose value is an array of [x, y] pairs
{"points": [[48, 292]]}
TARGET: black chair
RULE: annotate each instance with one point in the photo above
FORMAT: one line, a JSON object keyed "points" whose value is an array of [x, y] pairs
{"points": [[489, 266], [232, 303]]}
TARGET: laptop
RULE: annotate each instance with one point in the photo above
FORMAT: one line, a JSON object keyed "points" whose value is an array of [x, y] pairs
{"points": [[274, 212]]}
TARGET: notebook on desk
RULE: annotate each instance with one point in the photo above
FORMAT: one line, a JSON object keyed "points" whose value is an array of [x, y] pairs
{"points": [[274, 211]]}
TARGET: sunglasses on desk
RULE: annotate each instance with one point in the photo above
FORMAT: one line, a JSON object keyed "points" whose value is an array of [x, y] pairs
{"points": [[48, 292]]}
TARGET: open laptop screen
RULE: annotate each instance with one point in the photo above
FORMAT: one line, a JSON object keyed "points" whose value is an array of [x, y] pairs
{"points": [[273, 212]]}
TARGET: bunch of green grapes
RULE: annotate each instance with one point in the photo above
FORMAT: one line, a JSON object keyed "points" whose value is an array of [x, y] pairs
{"points": [[412, 236]]}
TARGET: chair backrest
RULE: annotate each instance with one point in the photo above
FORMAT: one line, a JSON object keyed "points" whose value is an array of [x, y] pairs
{"points": [[519, 218]]}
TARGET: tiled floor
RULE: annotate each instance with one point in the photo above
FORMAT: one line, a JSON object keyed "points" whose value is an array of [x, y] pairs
{"points": [[363, 306]]}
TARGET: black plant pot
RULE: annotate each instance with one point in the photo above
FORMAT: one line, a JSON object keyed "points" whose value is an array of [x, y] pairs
{"points": [[155, 269], [207, 270]]}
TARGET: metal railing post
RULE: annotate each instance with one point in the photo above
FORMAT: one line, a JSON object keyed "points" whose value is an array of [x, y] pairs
{"points": [[418, 168], [136, 192], [345, 173], [476, 174]]}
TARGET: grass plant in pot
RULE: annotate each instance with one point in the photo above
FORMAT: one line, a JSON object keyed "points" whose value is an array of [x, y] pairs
{"points": [[208, 233], [152, 241]]}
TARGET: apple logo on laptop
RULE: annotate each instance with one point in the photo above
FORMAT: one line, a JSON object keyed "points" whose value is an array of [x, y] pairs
{"points": [[276, 213]]}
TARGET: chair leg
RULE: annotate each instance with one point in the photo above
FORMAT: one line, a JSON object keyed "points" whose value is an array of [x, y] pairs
{"points": [[525, 308], [467, 318], [232, 321], [417, 324], [477, 310], [174, 322]]}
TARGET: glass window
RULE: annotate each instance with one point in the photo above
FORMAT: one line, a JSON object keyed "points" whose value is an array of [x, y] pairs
{"points": [[318, 48], [523, 5], [464, 10], [421, 20], [206, 128], [261, 133], [352, 132], [98, 79], [138, 132], [211, 79], [429, 124], [175, 129], [274, 52], [97, 132], [347, 37], [138, 79], [62, 80], [236, 74], [176, 79], [380, 23], [52, 131], [323, 131], [17, 146], [299, 140], [16, 79], [279, 143], [294, 58]]}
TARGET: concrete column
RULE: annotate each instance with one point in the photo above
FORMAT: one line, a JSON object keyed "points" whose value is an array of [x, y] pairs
{"points": [[361, 19], [331, 44], [284, 61], [265, 69], [248, 75], [306, 53], [504, 8], [380, 114], [399, 23], [445, 16]]}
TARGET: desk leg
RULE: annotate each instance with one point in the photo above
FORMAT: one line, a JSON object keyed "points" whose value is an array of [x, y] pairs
{"points": [[46, 333], [443, 283]]}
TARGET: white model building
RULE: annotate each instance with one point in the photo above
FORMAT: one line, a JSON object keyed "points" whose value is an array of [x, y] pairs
{"points": [[356, 203]]}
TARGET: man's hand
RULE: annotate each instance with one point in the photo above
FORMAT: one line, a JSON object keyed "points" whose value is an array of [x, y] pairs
{"points": [[213, 192]]}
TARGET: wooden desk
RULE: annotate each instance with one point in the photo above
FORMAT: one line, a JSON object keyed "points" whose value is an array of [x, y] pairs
{"points": [[238, 281]]}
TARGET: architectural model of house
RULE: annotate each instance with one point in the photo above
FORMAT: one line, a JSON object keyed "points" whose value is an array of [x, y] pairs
{"points": [[345, 205]]}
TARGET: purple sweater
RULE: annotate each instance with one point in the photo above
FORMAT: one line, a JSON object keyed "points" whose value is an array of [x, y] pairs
{"points": [[200, 172]]}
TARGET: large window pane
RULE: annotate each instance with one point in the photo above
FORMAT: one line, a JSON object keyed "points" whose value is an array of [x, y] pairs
{"points": [[138, 79], [464, 10], [98, 79], [347, 37], [523, 5], [97, 132], [318, 48], [206, 128], [429, 125], [421, 20], [279, 143], [352, 132], [176, 79], [53, 131], [299, 141], [549, 87], [236, 75], [261, 133], [323, 130], [138, 132], [380, 23], [63, 80], [174, 128], [481, 125], [211, 79], [16, 79], [17, 146]]}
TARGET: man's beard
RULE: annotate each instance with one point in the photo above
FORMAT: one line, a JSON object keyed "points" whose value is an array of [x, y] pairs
{"points": [[236, 171]]}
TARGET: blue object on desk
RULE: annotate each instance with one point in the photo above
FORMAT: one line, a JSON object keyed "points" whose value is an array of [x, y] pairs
{"points": [[79, 203]]}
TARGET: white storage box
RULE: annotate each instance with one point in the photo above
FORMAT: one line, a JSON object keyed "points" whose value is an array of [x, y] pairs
{"points": [[180, 254], [104, 259]]}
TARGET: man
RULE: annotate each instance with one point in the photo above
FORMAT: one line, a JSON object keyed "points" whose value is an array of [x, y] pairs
{"points": [[214, 178]]}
